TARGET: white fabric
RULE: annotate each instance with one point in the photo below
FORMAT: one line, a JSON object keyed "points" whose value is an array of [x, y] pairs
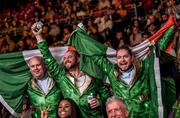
{"points": [[83, 82], [57, 52], [44, 84], [128, 76]]}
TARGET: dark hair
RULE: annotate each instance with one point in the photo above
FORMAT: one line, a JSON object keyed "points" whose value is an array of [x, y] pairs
{"points": [[125, 47], [76, 113]]}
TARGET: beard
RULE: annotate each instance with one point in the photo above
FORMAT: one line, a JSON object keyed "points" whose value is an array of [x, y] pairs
{"points": [[68, 65]]}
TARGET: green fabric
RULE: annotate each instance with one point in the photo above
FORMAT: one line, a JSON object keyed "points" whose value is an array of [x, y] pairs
{"points": [[168, 93], [87, 46], [131, 93], [68, 88], [177, 110], [14, 76], [166, 38], [144, 85], [42, 101]]}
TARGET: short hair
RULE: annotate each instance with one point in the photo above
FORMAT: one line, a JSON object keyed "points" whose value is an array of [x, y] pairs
{"points": [[115, 98], [38, 58], [125, 47]]}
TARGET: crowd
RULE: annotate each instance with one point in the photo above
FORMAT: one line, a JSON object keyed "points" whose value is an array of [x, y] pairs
{"points": [[114, 23]]}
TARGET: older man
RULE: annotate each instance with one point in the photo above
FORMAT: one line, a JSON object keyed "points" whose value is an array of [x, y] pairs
{"points": [[116, 108], [42, 91]]}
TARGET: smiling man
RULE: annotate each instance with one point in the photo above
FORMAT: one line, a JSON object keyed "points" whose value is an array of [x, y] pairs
{"points": [[116, 108], [42, 90], [74, 83]]}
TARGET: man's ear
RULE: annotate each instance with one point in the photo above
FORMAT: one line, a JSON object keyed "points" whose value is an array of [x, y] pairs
{"points": [[126, 113], [132, 58], [78, 59]]}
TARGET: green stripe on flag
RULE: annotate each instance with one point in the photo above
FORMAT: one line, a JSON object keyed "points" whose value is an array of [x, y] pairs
{"points": [[14, 77]]}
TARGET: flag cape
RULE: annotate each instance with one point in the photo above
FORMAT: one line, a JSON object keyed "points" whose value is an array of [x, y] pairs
{"points": [[15, 76], [88, 47], [15, 72]]}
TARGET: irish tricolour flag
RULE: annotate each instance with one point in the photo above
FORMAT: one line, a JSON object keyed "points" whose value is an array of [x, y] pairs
{"points": [[14, 72]]}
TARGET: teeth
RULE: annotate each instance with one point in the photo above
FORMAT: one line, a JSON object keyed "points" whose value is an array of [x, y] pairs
{"points": [[63, 112]]}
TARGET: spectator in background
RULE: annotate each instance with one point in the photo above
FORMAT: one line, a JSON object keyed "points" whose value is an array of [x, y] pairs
{"points": [[102, 4], [136, 36], [119, 40]]}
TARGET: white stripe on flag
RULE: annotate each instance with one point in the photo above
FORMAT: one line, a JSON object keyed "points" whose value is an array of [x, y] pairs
{"points": [[140, 46], [57, 52], [111, 55], [8, 107], [141, 55], [158, 84]]}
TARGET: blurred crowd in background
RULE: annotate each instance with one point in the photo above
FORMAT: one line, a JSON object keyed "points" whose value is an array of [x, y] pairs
{"points": [[111, 22]]}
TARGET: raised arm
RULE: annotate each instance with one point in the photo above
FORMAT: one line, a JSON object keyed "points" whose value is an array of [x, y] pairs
{"points": [[53, 67]]}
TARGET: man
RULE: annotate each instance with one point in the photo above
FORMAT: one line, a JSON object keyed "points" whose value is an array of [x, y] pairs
{"points": [[136, 82], [75, 84], [42, 91], [116, 108]]}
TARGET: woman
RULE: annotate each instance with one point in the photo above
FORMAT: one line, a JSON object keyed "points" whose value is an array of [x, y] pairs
{"points": [[67, 108]]}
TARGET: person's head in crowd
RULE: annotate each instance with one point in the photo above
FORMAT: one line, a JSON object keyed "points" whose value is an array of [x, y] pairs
{"points": [[67, 108], [135, 30], [71, 59], [124, 58], [116, 108], [151, 19], [119, 35], [136, 23], [37, 67], [45, 29], [164, 17], [152, 29], [20, 45]]}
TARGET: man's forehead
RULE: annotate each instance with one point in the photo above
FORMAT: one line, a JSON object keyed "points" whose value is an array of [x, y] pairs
{"points": [[69, 53], [122, 52], [115, 103], [35, 60]]}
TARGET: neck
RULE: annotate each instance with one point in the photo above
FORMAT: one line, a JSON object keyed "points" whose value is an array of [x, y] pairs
{"points": [[75, 72], [128, 70]]}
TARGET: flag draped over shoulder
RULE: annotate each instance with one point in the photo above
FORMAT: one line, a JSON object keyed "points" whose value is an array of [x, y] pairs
{"points": [[86, 45], [13, 79], [15, 76]]}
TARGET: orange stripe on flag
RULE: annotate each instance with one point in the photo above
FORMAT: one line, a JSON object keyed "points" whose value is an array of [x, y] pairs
{"points": [[161, 31]]}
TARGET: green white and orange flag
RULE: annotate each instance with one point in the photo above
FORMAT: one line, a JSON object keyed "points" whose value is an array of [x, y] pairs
{"points": [[14, 76], [88, 47], [14, 72]]}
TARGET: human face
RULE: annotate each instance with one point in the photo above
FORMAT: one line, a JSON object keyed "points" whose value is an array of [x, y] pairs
{"points": [[37, 68], [70, 60], [119, 35], [124, 60], [64, 109], [115, 110]]}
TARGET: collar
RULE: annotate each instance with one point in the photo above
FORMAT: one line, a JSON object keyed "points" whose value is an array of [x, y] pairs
{"points": [[129, 70]]}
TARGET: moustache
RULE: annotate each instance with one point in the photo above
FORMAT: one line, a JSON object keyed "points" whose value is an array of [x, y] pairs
{"points": [[123, 63], [67, 62]]}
